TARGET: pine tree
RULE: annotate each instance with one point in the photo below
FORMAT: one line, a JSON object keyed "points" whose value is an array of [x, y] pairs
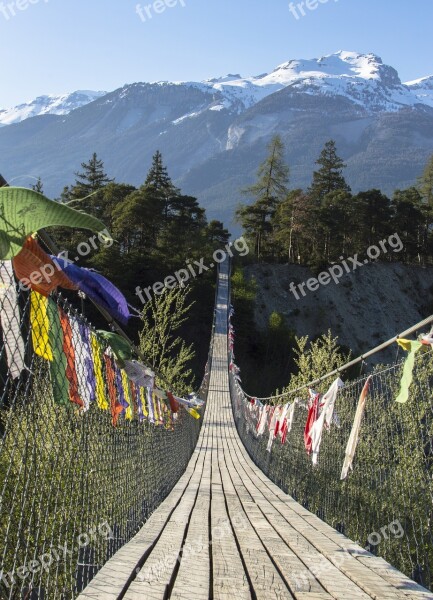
{"points": [[38, 186], [426, 183], [269, 191], [159, 181], [216, 234], [329, 178], [158, 176], [92, 179], [373, 215]]}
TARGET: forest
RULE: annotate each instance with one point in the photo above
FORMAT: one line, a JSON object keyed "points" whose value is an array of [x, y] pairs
{"points": [[156, 230], [318, 226]]}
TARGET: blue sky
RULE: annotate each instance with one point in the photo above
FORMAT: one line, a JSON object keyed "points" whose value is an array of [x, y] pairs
{"points": [[54, 46]]}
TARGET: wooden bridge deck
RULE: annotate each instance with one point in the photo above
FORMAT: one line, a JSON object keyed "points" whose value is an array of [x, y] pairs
{"points": [[226, 531]]}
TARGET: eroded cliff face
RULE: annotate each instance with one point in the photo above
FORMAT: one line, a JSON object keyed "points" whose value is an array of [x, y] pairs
{"points": [[366, 308]]}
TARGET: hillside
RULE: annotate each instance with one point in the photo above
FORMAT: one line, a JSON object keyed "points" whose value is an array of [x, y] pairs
{"points": [[367, 308]]}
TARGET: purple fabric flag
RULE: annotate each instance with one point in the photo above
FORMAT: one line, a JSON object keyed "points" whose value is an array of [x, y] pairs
{"points": [[85, 335], [98, 288]]}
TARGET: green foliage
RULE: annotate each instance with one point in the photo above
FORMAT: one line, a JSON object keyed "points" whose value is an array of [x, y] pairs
{"points": [[327, 222], [268, 192], [329, 178], [167, 352], [316, 358]]}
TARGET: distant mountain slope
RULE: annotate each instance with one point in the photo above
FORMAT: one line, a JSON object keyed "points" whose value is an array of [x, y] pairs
{"points": [[48, 105], [213, 134]]}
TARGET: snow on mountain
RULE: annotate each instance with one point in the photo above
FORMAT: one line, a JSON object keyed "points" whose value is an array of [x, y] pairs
{"points": [[362, 78], [423, 89], [48, 105]]}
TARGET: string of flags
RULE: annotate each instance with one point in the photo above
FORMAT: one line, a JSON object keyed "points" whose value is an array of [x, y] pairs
{"points": [[86, 366], [277, 421]]}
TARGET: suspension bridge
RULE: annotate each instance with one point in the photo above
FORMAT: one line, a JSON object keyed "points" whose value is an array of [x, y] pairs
{"points": [[105, 494], [227, 531]]}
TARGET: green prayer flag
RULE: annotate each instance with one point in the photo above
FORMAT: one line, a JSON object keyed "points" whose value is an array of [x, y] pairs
{"points": [[58, 365], [407, 376], [121, 348], [23, 211]]}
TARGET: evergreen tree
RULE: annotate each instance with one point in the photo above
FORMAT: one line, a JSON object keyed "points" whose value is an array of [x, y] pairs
{"points": [[159, 181], [269, 191], [408, 220], [329, 178], [181, 237], [158, 176], [426, 183], [216, 234], [135, 221], [90, 180], [337, 224], [373, 218], [38, 186]]}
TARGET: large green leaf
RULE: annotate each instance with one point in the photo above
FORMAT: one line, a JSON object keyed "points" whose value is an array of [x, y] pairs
{"points": [[24, 211]]}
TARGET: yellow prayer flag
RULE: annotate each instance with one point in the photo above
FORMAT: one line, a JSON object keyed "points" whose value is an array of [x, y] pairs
{"points": [[40, 325]]}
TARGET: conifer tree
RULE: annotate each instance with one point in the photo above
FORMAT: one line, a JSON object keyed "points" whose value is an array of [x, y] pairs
{"points": [[90, 180], [216, 234], [159, 182], [38, 186], [426, 183], [329, 178], [269, 191]]}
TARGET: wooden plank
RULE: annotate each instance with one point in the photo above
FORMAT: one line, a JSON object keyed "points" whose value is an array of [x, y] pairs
{"points": [[155, 576]]}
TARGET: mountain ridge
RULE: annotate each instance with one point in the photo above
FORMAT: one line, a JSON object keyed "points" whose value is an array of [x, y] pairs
{"points": [[213, 134], [336, 73]]}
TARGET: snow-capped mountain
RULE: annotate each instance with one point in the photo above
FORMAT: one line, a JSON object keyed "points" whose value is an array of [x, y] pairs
{"points": [[213, 134], [423, 89], [361, 78], [48, 105]]}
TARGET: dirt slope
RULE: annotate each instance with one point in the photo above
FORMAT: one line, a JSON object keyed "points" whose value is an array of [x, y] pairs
{"points": [[367, 307]]}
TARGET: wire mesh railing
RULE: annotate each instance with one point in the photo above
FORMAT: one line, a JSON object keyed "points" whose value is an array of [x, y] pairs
{"points": [[74, 488], [386, 502]]}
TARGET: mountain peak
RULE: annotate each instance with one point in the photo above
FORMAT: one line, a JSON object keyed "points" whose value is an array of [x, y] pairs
{"points": [[362, 79], [48, 104]]}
